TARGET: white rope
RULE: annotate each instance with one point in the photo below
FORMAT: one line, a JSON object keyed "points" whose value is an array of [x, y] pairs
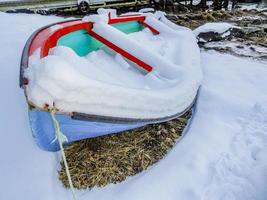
{"points": [[59, 135]]}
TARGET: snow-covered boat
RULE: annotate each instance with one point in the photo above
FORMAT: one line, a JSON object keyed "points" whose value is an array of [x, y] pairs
{"points": [[105, 74]]}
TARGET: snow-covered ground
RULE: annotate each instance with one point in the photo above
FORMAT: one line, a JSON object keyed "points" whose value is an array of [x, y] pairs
{"points": [[238, 48], [252, 6], [222, 156]]}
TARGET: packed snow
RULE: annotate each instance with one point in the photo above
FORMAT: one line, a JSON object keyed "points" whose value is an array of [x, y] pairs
{"points": [[103, 82], [248, 50], [256, 17], [221, 156], [217, 27]]}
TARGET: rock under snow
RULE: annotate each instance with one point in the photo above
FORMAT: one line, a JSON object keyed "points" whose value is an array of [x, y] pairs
{"points": [[210, 32]]}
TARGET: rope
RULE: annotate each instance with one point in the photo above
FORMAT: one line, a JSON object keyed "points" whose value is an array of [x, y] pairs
{"points": [[59, 135]]}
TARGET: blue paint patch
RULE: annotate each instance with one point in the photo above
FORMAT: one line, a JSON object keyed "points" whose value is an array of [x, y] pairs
{"points": [[44, 133]]}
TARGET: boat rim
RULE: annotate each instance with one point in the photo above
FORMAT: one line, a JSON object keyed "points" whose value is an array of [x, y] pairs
{"points": [[83, 116]]}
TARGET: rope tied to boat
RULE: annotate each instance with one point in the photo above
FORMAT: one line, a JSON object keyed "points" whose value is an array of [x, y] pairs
{"points": [[61, 139]]}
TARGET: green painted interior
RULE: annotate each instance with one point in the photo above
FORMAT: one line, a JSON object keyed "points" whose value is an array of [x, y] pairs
{"points": [[82, 43]]}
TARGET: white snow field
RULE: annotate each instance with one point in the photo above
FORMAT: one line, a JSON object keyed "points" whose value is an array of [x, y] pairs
{"points": [[221, 157]]}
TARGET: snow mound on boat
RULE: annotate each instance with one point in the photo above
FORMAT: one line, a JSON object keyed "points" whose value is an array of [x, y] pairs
{"points": [[216, 27], [105, 83]]}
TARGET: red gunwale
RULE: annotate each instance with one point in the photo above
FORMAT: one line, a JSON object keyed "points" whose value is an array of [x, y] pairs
{"points": [[67, 28], [47, 38], [128, 18]]}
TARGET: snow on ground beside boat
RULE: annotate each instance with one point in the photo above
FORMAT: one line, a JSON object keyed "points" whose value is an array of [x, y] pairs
{"points": [[249, 50], [253, 6], [75, 84], [217, 27], [222, 156]]}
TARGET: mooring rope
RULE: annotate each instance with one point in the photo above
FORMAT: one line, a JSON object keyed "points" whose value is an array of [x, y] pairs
{"points": [[59, 135]]}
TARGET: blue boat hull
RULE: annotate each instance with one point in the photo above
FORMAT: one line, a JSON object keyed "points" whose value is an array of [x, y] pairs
{"points": [[44, 133], [78, 126]]}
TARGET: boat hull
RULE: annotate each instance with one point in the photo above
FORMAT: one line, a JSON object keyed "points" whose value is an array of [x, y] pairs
{"points": [[44, 132]]}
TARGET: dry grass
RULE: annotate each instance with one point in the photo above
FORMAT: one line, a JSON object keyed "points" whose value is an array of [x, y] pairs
{"points": [[112, 158], [198, 18]]}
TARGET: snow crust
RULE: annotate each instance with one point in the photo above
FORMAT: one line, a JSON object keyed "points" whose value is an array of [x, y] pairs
{"points": [[222, 155], [146, 10], [217, 27], [104, 82], [246, 50], [253, 6]]}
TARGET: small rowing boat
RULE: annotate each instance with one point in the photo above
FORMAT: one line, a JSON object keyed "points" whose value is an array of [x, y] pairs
{"points": [[105, 74]]}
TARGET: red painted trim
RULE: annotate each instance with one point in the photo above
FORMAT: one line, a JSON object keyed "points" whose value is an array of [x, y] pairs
{"points": [[48, 37], [121, 51], [44, 34], [151, 28], [129, 18], [52, 40]]}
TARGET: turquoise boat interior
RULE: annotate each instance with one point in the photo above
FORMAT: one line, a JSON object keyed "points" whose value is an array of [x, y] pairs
{"points": [[82, 43]]}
